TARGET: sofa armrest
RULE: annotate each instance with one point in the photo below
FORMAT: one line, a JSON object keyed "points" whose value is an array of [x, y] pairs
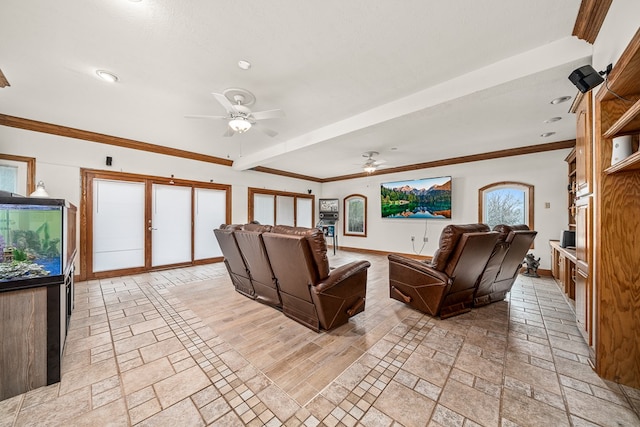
{"points": [[432, 275], [340, 274]]}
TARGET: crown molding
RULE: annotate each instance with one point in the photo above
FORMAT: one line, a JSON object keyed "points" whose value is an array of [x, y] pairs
{"points": [[36, 126], [590, 18], [85, 135], [530, 149]]}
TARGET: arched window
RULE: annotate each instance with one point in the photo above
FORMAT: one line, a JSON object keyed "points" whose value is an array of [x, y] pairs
{"points": [[506, 203]]}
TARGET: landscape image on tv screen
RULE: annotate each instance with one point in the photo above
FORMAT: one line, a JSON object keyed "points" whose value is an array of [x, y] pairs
{"points": [[428, 198]]}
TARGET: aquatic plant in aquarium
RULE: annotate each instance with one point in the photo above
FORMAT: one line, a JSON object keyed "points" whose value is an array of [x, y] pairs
{"points": [[30, 240]]}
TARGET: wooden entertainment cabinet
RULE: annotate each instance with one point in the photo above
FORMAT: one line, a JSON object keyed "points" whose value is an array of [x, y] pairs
{"points": [[602, 276]]}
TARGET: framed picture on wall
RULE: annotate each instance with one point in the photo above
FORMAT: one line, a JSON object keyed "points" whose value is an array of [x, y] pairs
{"points": [[355, 215]]}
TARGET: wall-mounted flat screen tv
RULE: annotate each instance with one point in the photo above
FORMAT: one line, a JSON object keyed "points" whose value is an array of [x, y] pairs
{"points": [[428, 198]]}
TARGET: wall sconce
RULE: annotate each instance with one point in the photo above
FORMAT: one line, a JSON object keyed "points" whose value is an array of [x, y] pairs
{"points": [[40, 191]]}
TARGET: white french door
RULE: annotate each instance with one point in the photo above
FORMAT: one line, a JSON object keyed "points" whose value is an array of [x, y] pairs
{"points": [[170, 225], [209, 213], [137, 224], [118, 225]]}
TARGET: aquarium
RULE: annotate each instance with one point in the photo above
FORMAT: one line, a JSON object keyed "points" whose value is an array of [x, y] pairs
{"points": [[31, 238]]}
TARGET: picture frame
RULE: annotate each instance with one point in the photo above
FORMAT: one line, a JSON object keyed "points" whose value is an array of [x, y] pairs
{"points": [[355, 215]]}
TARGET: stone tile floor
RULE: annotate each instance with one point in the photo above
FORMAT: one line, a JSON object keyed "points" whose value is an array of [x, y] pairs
{"points": [[138, 354]]}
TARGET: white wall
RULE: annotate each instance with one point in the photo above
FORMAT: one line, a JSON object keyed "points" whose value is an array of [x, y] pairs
{"points": [[546, 171], [59, 161], [616, 32]]}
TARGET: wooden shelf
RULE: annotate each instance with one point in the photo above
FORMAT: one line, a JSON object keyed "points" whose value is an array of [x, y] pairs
{"points": [[631, 163], [628, 123]]}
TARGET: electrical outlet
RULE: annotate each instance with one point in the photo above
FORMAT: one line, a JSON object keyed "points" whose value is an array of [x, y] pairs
{"points": [[425, 239], [413, 238]]}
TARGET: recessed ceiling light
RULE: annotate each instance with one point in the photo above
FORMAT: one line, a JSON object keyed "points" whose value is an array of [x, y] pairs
{"points": [[553, 119], [107, 76], [245, 65], [560, 99], [547, 134]]}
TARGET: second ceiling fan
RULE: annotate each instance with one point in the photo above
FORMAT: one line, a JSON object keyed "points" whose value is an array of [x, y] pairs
{"points": [[239, 116]]}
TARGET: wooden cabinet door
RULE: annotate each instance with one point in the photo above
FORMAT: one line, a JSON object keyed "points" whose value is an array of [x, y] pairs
{"points": [[584, 147], [584, 211], [583, 301], [562, 272]]}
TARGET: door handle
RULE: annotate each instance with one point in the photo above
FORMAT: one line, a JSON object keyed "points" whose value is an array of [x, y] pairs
{"points": [[151, 228]]}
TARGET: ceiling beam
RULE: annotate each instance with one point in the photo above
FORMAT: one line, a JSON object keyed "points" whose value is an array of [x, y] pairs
{"points": [[545, 57]]}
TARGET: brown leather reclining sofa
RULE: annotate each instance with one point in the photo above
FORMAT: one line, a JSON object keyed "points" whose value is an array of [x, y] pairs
{"points": [[445, 286], [504, 264], [287, 268], [471, 268]]}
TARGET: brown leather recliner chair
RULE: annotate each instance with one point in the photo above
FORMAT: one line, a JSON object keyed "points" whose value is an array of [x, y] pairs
{"points": [[252, 247], [234, 260], [446, 285], [505, 262], [311, 293]]}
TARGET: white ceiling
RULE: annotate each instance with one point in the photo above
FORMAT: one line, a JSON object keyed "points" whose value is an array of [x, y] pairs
{"points": [[430, 79]]}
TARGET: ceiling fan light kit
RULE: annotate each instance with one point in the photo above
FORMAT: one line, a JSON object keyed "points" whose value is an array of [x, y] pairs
{"points": [[369, 169], [239, 116], [371, 165], [240, 124]]}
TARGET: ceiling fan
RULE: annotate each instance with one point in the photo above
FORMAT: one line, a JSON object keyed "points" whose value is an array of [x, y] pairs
{"points": [[371, 164], [239, 117]]}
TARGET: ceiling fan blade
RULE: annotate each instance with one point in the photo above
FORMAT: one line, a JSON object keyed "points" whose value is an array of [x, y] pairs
{"points": [[268, 114], [224, 101], [379, 162], [229, 132], [198, 116], [267, 131]]}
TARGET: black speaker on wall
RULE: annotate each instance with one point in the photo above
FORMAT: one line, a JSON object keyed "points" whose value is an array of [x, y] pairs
{"points": [[585, 78]]}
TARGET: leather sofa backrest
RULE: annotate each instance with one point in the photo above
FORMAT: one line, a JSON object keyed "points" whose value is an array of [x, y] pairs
{"points": [[292, 263], [519, 242], [257, 227], [499, 252], [469, 258], [231, 251], [505, 230], [255, 255], [449, 239], [317, 246]]}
